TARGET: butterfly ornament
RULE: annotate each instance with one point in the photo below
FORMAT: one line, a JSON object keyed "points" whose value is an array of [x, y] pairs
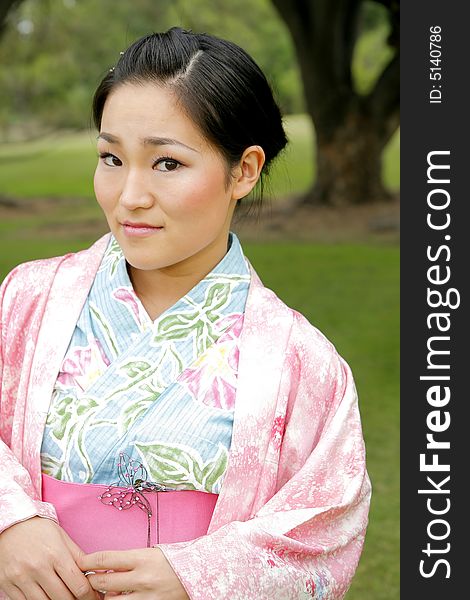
{"points": [[131, 488]]}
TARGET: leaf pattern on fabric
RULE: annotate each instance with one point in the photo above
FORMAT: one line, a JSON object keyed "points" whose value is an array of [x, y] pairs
{"points": [[134, 368], [227, 277], [182, 467], [216, 298], [151, 383], [69, 418], [111, 259], [176, 326], [51, 466], [153, 378], [106, 329], [134, 411], [58, 418], [200, 322]]}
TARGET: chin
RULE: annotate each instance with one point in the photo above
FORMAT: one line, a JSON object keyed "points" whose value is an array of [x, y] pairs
{"points": [[145, 265], [148, 262]]}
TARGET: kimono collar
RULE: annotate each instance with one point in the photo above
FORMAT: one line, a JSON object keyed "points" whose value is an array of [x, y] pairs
{"points": [[113, 270]]}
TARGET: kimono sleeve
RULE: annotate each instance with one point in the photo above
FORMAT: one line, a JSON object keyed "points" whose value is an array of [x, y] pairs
{"points": [[18, 498], [306, 540]]}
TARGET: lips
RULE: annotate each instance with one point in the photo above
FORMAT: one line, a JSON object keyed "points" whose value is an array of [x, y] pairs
{"points": [[140, 225], [139, 229]]}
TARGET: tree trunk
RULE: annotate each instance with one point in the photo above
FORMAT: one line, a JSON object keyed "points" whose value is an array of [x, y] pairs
{"points": [[351, 130], [349, 165]]}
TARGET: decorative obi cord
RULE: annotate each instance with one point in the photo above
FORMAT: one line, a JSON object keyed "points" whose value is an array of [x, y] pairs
{"points": [[99, 517]]}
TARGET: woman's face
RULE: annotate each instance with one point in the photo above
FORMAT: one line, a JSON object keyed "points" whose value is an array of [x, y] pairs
{"points": [[161, 185]]}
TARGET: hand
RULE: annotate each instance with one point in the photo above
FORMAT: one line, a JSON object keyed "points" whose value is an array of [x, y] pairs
{"points": [[38, 561], [143, 574]]}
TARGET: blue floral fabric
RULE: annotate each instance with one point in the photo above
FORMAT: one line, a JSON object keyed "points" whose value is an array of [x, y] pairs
{"points": [[160, 391]]}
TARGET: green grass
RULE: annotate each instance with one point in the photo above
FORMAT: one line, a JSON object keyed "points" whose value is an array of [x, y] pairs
{"points": [[63, 165], [56, 166]]}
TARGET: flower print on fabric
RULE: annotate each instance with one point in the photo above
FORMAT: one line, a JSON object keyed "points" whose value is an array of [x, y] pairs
{"points": [[83, 365], [130, 300], [144, 387], [212, 379]]}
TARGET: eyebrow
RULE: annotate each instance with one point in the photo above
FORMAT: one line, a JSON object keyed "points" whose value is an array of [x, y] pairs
{"points": [[147, 141]]}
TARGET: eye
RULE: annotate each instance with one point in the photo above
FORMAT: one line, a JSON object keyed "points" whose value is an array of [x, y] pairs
{"points": [[166, 163], [110, 160]]}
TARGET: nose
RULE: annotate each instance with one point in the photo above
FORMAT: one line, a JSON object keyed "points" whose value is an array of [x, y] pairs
{"points": [[136, 193]]}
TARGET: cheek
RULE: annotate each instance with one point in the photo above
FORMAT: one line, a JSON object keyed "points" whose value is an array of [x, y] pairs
{"points": [[102, 190], [204, 197]]}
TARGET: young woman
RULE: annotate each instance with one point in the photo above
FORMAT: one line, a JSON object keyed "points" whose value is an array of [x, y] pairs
{"points": [[154, 371]]}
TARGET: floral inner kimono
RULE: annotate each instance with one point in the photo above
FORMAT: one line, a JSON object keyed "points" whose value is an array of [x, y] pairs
{"points": [[162, 391]]}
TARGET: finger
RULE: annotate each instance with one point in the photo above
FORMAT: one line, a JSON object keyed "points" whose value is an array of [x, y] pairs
{"points": [[102, 561], [102, 595], [55, 588], [75, 581], [12, 592], [75, 550], [70, 574], [33, 590], [113, 582]]}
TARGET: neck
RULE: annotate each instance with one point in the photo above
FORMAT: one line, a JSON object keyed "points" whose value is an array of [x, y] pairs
{"points": [[159, 289]]}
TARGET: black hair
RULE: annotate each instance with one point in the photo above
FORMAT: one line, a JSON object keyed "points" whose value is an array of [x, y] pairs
{"points": [[217, 84]]}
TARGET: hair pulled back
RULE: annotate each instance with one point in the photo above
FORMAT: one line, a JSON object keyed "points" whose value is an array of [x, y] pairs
{"points": [[217, 84]]}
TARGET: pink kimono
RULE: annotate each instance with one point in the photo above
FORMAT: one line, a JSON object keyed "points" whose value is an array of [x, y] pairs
{"points": [[292, 513]]}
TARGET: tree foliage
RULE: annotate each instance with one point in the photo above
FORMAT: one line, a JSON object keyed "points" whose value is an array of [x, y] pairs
{"points": [[6, 6], [48, 74]]}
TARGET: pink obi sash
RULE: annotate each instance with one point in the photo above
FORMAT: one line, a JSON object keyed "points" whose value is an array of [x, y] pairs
{"points": [[177, 516]]}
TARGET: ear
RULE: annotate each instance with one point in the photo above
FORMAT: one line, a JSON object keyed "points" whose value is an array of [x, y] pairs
{"points": [[248, 171]]}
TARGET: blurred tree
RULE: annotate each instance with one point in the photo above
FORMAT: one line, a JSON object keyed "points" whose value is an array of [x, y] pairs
{"points": [[351, 128], [54, 52], [5, 7]]}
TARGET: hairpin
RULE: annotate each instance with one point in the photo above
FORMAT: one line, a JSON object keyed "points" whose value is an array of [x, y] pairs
{"points": [[133, 478], [120, 54]]}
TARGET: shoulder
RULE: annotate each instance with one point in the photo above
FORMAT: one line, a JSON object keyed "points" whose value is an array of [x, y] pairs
{"points": [[28, 281], [32, 280], [319, 362], [309, 354], [306, 338], [318, 377], [303, 335]]}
